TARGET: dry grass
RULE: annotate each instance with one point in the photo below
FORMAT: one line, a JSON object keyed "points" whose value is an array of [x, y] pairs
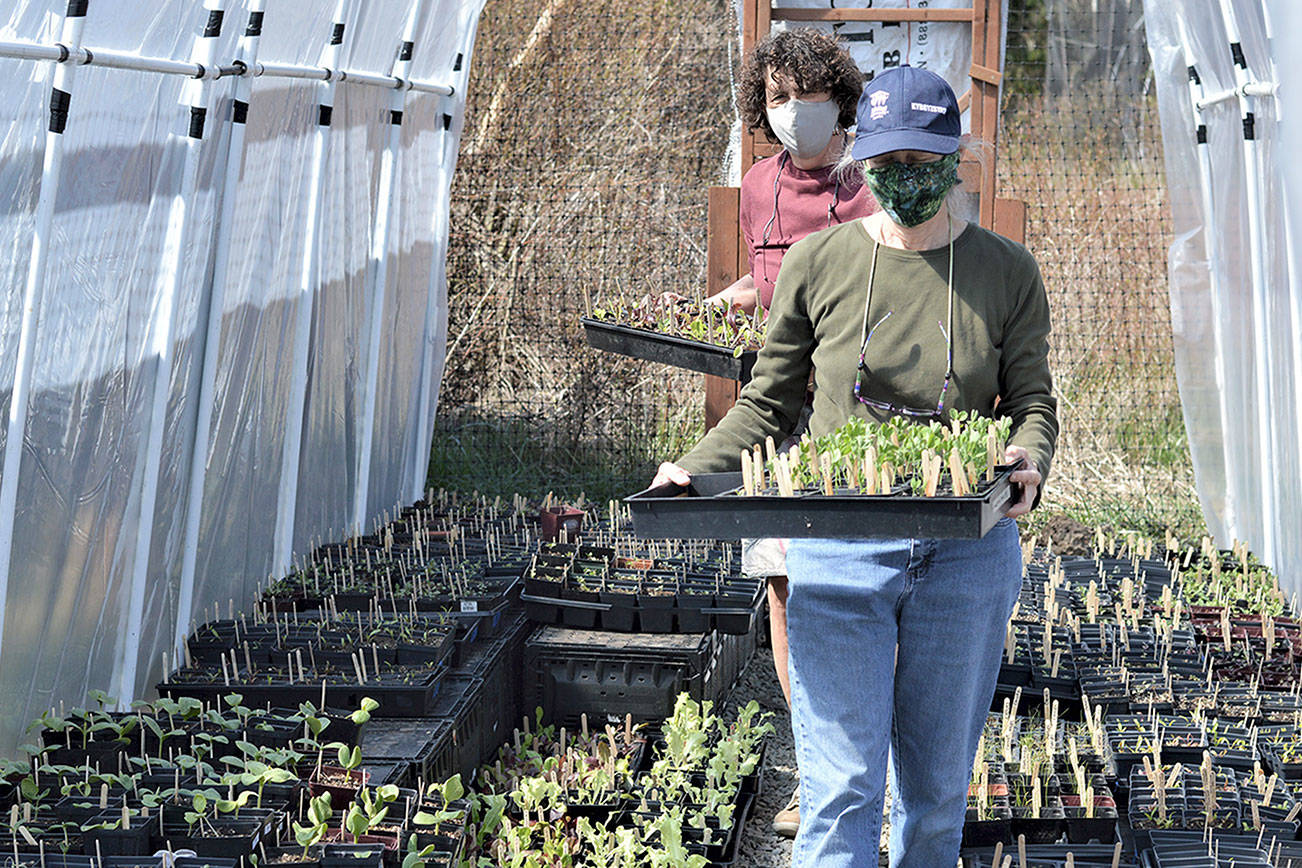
{"points": [[597, 127], [592, 133]]}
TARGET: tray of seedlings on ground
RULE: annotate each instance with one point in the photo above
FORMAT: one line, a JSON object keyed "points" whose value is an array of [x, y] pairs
{"points": [[222, 780], [626, 584], [684, 333], [437, 555], [866, 479], [1204, 797], [1038, 779], [334, 658], [619, 797], [1187, 722]]}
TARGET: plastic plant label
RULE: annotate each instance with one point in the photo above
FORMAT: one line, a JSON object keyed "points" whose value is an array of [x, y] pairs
{"points": [[469, 605]]}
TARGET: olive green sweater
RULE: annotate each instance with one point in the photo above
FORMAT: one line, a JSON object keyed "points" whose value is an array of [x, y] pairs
{"points": [[1001, 329]]}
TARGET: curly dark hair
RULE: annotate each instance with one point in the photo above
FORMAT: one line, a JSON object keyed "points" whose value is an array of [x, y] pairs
{"points": [[814, 60]]}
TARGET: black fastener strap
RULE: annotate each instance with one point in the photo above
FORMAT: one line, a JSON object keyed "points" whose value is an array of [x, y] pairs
{"points": [[395, 118], [255, 24], [77, 8], [60, 100], [214, 27], [404, 53], [197, 117], [325, 114], [1249, 127], [1201, 132], [337, 35], [240, 112], [456, 66], [1236, 51]]}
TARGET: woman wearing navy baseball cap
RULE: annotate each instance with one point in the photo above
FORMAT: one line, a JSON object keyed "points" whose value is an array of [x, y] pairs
{"points": [[895, 644]]}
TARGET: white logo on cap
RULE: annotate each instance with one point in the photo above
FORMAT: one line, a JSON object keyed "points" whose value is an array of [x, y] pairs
{"points": [[878, 101], [928, 107]]}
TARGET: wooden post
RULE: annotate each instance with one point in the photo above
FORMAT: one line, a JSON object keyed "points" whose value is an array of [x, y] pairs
{"points": [[725, 256]]}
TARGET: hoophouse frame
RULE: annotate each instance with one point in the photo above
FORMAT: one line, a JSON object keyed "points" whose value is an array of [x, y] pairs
{"points": [[225, 307]]}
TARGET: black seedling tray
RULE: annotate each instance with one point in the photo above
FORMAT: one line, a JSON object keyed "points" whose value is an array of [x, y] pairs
{"points": [[669, 350], [707, 509]]}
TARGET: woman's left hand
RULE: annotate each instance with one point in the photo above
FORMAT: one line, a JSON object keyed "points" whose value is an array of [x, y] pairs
{"points": [[1029, 477]]}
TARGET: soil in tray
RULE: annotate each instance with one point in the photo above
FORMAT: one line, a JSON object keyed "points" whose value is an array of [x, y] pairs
{"points": [[226, 839], [293, 856], [341, 784]]}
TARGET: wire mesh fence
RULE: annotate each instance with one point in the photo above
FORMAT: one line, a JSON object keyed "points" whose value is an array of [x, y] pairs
{"points": [[593, 132]]}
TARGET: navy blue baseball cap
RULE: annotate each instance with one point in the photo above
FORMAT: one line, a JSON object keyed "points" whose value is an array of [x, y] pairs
{"points": [[907, 109]]}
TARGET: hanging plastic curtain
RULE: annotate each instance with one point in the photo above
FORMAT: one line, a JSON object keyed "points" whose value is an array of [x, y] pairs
{"points": [[224, 304], [1235, 308]]}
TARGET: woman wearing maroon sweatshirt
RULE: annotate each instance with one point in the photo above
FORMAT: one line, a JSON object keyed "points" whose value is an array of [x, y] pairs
{"points": [[801, 88]]}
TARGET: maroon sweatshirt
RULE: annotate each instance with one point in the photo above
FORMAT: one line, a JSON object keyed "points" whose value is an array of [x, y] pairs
{"points": [[781, 204]]}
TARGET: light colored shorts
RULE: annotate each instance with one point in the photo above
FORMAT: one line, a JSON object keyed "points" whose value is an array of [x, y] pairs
{"points": [[761, 558]]}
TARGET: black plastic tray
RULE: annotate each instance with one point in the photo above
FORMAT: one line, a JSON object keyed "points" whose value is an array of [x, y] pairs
{"points": [[699, 512], [669, 350]]}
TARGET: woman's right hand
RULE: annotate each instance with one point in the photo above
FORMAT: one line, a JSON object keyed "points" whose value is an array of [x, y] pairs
{"points": [[670, 472]]}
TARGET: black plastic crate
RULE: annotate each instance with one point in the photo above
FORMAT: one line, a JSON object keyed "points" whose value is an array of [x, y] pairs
{"points": [[669, 350], [571, 672], [380, 772], [488, 661], [461, 704], [415, 741], [706, 509]]}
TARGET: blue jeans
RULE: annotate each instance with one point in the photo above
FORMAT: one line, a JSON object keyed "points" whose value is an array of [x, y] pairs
{"points": [[895, 647]]}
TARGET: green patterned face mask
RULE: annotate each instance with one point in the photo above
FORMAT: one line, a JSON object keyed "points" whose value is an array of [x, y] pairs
{"points": [[912, 195]]}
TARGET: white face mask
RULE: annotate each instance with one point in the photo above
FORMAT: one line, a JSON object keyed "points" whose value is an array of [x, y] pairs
{"points": [[804, 128]]}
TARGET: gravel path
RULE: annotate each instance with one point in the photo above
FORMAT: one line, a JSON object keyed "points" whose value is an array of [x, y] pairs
{"points": [[760, 847]]}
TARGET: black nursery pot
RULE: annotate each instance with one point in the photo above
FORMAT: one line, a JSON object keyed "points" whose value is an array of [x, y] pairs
{"points": [[292, 857], [1102, 827], [1014, 674], [544, 585], [656, 612], [692, 599], [352, 856], [235, 839], [136, 841], [985, 833], [1045, 829], [84, 810], [622, 614], [576, 616], [738, 595]]}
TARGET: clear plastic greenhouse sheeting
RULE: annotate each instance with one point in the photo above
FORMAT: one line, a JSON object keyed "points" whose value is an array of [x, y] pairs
{"points": [[1235, 300], [84, 465]]}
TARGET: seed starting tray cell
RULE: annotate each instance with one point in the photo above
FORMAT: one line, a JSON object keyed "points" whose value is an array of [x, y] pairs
{"points": [[711, 508], [669, 350]]}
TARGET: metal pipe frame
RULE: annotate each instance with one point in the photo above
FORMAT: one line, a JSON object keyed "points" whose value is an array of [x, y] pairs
{"points": [[208, 327], [436, 297], [1196, 99], [69, 54], [378, 271], [161, 330], [1262, 346], [309, 277], [74, 21]]}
